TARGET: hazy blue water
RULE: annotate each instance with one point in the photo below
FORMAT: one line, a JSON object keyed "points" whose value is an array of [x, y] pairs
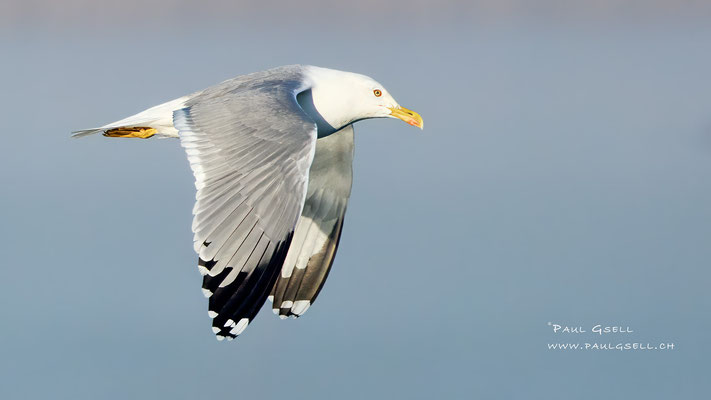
{"points": [[562, 177]]}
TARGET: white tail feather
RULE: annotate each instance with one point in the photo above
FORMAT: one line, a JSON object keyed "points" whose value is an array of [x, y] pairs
{"points": [[159, 118]]}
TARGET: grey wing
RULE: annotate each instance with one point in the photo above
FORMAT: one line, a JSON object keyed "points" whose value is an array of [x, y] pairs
{"points": [[318, 231], [250, 151]]}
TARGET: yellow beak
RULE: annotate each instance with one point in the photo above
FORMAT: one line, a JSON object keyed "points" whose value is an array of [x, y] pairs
{"points": [[406, 115]]}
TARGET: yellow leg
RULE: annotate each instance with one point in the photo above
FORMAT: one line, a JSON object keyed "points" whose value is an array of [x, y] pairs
{"points": [[132, 132]]}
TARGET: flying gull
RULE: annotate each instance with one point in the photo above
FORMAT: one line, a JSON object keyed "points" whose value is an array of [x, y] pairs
{"points": [[272, 156]]}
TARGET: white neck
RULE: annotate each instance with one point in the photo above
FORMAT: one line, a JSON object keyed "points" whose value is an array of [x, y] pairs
{"points": [[332, 97]]}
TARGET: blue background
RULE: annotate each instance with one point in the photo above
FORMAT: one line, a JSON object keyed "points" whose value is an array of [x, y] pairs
{"points": [[562, 176]]}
